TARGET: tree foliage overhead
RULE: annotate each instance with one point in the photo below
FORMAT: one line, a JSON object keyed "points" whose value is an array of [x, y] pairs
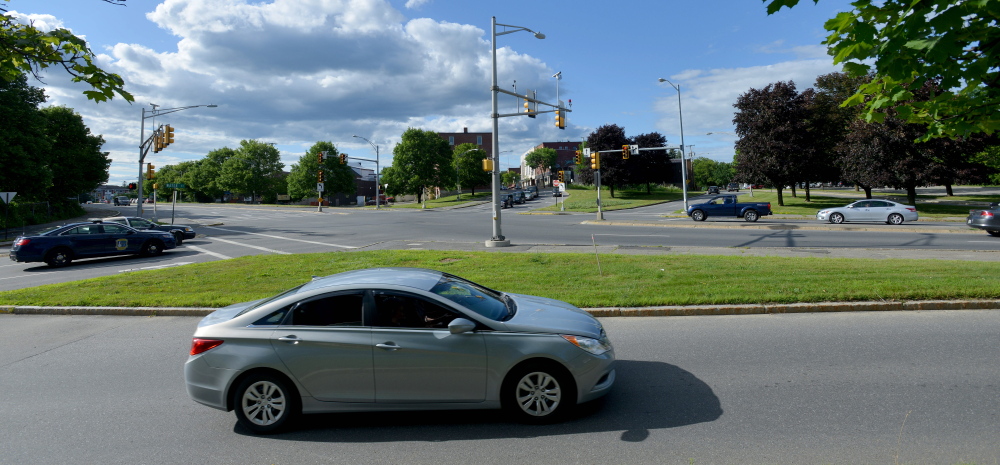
{"points": [[75, 157], [468, 164], [24, 146], [25, 49], [952, 43]]}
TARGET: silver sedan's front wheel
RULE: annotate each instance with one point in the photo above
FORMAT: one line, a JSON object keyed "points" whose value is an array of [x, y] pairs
{"points": [[265, 404], [538, 393]]}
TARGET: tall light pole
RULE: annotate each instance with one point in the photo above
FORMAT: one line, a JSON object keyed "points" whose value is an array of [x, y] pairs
{"points": [[377, 185], [144, 147], [680, 112], [498, 240]]}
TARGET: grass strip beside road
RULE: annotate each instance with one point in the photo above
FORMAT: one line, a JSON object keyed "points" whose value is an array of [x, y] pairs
{"points": [[627, 281]]}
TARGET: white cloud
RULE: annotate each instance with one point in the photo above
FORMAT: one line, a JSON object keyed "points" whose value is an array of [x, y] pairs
{"points": [[44, 23], [415, 4]]}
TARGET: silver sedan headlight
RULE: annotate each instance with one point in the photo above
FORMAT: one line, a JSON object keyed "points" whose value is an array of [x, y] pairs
{"points": [[594, 346]]}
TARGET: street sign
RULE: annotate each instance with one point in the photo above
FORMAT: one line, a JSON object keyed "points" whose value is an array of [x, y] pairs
{"points": [[319, 186], [7, 196], [177, 185], [555, 183]]}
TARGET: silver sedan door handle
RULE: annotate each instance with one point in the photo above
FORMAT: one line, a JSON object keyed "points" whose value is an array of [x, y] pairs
{"points": [[388, 346], [290, 338]]}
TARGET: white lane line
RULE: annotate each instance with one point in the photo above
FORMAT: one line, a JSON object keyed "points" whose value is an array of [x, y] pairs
{"points": [[252, 246], [16, 277], [282, 238], [199, 249], [156, 267]]}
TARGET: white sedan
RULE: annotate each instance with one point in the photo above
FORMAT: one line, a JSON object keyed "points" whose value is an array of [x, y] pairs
{"points": [[870, 210]]}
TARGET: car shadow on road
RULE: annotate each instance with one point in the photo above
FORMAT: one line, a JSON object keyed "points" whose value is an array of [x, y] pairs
{"points": [[646, 396]]}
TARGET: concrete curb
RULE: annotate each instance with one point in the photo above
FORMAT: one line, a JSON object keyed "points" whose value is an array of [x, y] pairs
{"points": [[677, 310]]}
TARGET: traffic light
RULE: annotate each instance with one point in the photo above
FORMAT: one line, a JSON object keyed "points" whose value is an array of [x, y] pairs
{"points": [[530, 107], [157, 143], [320, 157], [595, 160], [343, 158], [561, 118], [625, 152], [562, 176], [578, 159], [488, 164], [156, 186], [320, 177], [150, 174], [168, 136], [131, 185]]}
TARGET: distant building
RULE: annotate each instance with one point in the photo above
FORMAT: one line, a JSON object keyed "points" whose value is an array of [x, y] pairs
{"points": [[565, 152], [108, 192], [483, 139]]}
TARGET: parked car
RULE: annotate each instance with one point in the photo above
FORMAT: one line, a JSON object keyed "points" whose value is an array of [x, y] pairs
{"points": [[987, 220], [870, 210], [121, 200], [179, 232], [61, 245], [531, 192], [726, 205], [518, 196], [388, 339], [713, 189], [733, 187], [506, 200]]}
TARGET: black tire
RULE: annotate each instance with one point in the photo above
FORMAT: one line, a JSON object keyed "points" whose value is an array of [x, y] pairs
{"points": [[698, 215], [538, 393], [993, 233], [836, 218], [59, 257], [265, 404], [151, 248], [895, 218], [178, 237], [751, 216]]}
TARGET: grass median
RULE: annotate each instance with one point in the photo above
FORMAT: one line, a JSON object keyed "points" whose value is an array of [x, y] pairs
{"points": [[623, 280]]}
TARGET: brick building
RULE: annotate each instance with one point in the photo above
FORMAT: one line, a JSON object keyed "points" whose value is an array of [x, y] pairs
{"points": [[565, 152], [483, 139]]}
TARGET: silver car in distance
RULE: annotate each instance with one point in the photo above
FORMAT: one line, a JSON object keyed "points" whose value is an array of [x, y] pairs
{"points": [[386, 339]]}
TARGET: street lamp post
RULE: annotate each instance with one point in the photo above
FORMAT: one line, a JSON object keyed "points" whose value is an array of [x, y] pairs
{"points": [[680, 113], [144, 148], [376, 171], [498, 240]]}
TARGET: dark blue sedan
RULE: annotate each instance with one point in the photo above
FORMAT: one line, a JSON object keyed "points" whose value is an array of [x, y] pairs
{"points": [[63, 244]]}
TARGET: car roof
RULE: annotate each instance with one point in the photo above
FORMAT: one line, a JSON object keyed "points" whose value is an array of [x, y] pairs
{"points": [[418, 278]]}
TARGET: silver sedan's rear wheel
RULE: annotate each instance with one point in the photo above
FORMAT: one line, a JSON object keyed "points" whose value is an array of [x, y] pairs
{"points": [[895, 218], [265, 404], [538, 393], [836, 218]]}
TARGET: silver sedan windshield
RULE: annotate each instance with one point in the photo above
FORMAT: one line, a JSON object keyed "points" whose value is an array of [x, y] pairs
{"points": [[482, 300]]}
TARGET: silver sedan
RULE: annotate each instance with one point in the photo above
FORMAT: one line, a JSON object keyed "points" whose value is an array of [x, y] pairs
{"points": [[387, 339], [870, 210]]}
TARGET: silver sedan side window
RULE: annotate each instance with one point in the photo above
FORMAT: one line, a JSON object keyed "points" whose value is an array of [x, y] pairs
{"points": [[336, 310]]}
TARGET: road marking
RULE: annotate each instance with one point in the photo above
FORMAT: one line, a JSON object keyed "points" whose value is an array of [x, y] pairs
{"points": [[982, 242], [633, 235], [156, 267], [199, 249], [252, 246], [15, 277], [282, 238]]}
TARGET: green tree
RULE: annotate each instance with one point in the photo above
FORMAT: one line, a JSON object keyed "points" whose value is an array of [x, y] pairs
{"points": [[468, 163], [24, 146], [614, 170], [75, 158], [421, 160], [254, 169], [26, 49], [952, 43], [651, 166], [510, 178], [338, 178], [708, 172], [541, 158], [203, 180]]}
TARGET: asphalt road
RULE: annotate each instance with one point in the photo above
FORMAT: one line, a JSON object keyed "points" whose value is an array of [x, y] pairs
{"points": [[895, 387], [227, 231]]}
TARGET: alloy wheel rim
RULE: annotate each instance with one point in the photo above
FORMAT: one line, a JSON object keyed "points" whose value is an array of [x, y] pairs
{"points": [[538, 394], [263, 403]]}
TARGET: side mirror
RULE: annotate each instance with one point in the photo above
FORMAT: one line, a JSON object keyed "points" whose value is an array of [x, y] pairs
{"points": [[461, 325]]}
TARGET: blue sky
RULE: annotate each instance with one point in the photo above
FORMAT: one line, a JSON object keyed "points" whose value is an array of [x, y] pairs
{"points": [[294, 72]]}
